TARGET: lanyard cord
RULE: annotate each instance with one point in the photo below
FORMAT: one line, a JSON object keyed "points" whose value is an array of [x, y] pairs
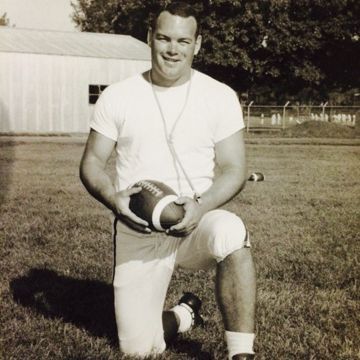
{"points": [[169, 136]]}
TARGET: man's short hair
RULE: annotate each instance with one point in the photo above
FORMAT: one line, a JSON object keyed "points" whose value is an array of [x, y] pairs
{"points": [[179, 8]]}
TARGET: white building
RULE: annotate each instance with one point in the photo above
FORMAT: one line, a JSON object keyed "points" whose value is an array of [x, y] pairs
{"points": [[49, 80]]}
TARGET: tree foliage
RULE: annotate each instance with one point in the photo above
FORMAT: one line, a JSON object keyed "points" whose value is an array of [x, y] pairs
{"points": [[298, 48]]}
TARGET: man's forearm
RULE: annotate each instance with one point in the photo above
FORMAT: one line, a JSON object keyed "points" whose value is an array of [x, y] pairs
{"points": [[98, 184], [229, 183]]}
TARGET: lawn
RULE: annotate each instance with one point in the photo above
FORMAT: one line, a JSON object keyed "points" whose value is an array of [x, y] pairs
{"points": [[56, 256]]}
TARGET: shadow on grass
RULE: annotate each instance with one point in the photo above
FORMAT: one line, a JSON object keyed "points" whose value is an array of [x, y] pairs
{"points": [[87, 304], [192, 349]]}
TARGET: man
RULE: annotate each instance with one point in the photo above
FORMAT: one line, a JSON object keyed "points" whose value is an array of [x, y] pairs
{"points": [[170, 124]]}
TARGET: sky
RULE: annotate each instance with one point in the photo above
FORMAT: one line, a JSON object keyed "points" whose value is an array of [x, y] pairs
{"points": [[39, 14]]}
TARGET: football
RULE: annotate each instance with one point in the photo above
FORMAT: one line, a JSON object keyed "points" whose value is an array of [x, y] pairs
{"points": [[155, 204], [256, 176]]}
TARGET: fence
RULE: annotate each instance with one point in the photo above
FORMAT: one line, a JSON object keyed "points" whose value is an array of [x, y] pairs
{"points": [[268, 117]]}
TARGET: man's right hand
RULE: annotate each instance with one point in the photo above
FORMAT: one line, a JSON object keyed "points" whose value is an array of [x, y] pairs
{"points": [[94, 177], [124, 214]]}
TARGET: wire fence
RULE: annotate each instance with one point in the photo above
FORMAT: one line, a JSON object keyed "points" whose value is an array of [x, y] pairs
{"points": [[268, 117]]}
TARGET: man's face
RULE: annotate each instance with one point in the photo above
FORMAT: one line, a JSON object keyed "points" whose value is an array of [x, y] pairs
{"points": [[173, 46]]}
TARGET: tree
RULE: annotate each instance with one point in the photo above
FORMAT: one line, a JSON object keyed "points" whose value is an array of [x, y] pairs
{"points": [[298, 48], [317, 42], [115, 16]]}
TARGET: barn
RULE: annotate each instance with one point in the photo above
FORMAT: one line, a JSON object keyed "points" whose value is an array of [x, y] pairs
{"points": [[50, 80]]}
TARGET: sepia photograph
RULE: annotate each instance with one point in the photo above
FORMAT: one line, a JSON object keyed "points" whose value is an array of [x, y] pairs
{"points": [[179, 180]]}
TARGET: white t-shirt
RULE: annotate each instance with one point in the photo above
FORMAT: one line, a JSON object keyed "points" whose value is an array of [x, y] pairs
{"points": [[127, 112]]}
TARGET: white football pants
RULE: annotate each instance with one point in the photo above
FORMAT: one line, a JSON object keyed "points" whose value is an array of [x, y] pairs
{"points": [[144, 264]]}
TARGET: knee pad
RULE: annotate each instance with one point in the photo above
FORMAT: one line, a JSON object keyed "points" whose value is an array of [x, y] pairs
{"points": [[227, 233]]}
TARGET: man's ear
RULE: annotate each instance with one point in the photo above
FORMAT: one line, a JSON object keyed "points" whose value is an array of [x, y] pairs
{"points": [[149, 36], [197, 44]]}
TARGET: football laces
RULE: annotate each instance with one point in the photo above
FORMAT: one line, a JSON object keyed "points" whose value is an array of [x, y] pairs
{"points": [[150, 187]]}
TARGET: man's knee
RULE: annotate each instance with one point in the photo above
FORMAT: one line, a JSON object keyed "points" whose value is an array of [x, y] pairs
{"points": [[140, 330], [140, 339], [227, 233], [142, 346]]}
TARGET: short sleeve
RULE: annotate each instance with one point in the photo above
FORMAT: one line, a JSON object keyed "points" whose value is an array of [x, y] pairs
{"points": [[104, 116], [230, 116]]}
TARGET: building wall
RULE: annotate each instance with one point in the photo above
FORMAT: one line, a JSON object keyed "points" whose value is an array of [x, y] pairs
{"points": [[49, 93]]}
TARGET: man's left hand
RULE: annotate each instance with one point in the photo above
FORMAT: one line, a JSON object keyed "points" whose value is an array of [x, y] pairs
{"points": [[193, 214]]}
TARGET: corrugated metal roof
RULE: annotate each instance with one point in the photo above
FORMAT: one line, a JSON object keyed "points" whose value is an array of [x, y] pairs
{"points": [[72, 44]]}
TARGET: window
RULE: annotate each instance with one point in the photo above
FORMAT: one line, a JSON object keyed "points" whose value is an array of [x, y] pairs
{"points": [[95, 91]]}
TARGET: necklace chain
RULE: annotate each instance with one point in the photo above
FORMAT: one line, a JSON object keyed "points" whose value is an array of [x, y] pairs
{"points": [[169, 135]]}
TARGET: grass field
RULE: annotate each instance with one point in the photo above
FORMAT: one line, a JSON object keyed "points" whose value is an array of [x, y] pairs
{"points": [[56, 257]]}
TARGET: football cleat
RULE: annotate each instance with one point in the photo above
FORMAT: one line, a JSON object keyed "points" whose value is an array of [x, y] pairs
{"points": [[243, 357], [193, 304]]}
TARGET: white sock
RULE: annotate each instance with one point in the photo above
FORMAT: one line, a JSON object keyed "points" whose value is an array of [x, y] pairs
{"points": [[185, 316], [239, 343]]}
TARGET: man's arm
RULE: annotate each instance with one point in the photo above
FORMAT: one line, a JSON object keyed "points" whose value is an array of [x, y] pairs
{"points": [[231, 160], [98, 183]]}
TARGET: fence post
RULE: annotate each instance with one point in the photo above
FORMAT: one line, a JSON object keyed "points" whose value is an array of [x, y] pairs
{"points": [[248, 116], [323, 110], [298, 112], [284, 112]]}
